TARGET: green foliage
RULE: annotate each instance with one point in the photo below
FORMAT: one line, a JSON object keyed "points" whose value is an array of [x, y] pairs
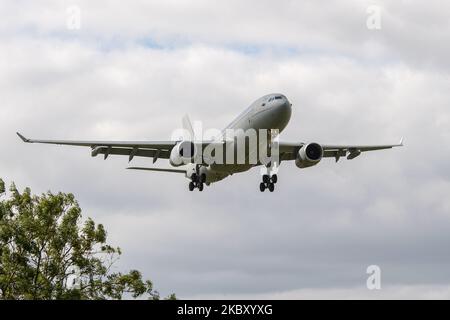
{"points": [[44, 246]]}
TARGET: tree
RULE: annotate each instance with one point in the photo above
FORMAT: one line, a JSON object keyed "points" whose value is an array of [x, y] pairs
{"points": [[48, 252]]}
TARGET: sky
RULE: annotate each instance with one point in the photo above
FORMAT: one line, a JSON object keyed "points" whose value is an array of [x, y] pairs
{"points": [[356, 72]]}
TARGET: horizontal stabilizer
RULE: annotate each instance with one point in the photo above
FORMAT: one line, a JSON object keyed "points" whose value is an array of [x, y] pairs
{"points": [[158, 169]]}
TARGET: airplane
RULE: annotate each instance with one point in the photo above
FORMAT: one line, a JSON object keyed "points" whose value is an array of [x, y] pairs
{"points": [[271, 112]]}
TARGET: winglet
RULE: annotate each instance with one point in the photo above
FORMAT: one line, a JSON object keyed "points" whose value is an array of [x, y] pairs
{"points": [[401, 142], [22, 137]]}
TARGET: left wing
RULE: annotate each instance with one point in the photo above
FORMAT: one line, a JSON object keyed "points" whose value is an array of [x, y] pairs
{"points": [[288, 151], [151, 149]]}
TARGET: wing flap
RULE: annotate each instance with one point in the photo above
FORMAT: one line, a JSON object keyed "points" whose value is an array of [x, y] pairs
{"points": [[131, 152]]}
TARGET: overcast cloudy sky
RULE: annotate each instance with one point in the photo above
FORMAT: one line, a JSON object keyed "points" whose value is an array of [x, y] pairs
{"points": [[133, 69]]}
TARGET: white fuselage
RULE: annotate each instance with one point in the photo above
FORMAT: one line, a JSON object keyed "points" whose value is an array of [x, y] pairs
{"points": [[270, 112]]}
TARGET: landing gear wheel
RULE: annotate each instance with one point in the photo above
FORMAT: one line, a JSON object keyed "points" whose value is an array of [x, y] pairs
{"points": [[271, 187], [200, 187], [266, 178], [194, 177], [191, 186], [274, 178], [262, 186]]}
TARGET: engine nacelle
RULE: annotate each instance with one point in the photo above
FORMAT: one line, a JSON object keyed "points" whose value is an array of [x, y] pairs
{"points": [[183, 153], [309, 155]]}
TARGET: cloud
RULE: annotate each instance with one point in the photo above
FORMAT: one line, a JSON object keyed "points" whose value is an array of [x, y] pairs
{"points": [[391, 293], [132, 71]]}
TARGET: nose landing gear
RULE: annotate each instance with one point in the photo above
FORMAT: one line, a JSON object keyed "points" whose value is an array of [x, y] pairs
{"points": [[268, 182]]}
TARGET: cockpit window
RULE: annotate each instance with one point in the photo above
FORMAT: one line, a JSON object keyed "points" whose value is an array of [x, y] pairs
{"points": [[275, 98]]}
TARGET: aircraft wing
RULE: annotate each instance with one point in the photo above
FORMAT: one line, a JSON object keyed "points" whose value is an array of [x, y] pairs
{"points": [[151, 149], [288, 151]]}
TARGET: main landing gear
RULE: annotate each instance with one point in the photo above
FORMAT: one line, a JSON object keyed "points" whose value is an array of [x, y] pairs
{"points": [[197, 182], [268, 182]]}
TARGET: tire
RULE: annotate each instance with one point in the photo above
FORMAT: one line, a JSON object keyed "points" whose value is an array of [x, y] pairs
{"points": [[274, 178], [191, 186], [262, 187], [194, 177], [266, 178], [200, 187], [271, 187]]}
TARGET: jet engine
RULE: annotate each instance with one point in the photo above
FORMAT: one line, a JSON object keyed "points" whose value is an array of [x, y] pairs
{"points": [[182, 153], [309, 155]]}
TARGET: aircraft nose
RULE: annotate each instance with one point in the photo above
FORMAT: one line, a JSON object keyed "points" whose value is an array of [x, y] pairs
{"points": [[283, 111], [286, 105]]}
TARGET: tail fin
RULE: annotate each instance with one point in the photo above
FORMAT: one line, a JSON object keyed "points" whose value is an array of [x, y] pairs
{"points": [[187, 125]]}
